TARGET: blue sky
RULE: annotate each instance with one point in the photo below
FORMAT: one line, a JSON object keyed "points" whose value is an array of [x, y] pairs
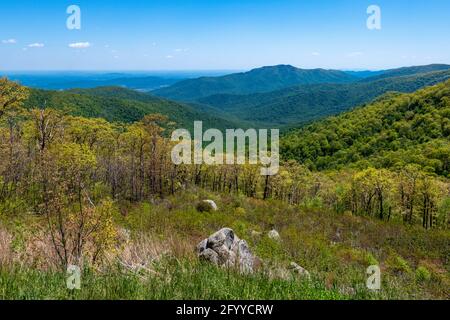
{"points": [[220, 35]]}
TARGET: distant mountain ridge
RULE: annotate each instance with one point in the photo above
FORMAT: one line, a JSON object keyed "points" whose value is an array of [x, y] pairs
{"points": [[258, 80], [407, 71], [301, 104]]}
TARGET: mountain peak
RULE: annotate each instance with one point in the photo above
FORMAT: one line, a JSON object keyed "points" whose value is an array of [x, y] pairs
{"points": [[259, 80]]}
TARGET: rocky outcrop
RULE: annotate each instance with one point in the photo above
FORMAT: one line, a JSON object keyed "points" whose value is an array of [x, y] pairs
{"points": [[225, 249]]}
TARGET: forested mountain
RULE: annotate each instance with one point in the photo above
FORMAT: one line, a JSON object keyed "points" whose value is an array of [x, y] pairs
{"points": [[263, 79], [365, 73], [123, 105], [395, 130], [301, 104], [407, 71]]}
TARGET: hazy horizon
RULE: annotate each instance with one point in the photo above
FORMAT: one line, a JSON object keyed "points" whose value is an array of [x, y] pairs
{"points": [[175, 71]]}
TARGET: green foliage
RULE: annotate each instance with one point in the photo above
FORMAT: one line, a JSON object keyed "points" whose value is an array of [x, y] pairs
{"points": [[390, 133], [422, 274], [258, 80], [178, 280], [122, 105], [397, 264], [300, 105]]}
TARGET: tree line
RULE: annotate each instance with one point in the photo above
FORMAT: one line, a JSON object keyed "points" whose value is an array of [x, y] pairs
{"points": [[75, 171]]}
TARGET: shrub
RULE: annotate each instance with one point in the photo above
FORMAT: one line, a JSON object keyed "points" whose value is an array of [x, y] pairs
{"points": [[422, 274], [398, 264]]}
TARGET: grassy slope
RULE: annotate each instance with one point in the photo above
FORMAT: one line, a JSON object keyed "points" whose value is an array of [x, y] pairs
{"points": [[189, 281], [336, 249]]}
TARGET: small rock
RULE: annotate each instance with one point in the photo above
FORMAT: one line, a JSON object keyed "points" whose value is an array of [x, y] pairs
{"points": [[212, 204], [299, 270], [291, 272], [256, 234], [274, 235], [348, 291]]}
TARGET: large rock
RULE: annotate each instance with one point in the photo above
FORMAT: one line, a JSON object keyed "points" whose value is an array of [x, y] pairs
{"points": [[225, 249]]}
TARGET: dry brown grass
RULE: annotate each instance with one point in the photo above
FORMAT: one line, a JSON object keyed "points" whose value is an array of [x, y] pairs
{"points": [[5, 247]]}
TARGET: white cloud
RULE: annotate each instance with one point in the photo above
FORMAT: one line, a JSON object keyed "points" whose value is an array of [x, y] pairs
{"points": [[355, 54], [36, 45], [169, 57], [315, 54], [80, 45], [9, 41]]}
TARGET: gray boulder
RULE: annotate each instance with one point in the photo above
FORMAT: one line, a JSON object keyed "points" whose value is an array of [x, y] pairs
{"points": [[225, 249]]}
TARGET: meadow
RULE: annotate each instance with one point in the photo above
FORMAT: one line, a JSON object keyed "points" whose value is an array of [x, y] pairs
{"points": [[154, 255]]}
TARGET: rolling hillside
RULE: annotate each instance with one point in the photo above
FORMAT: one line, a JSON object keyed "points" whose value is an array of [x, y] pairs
{"points": [[393, 131], [123, 105], [263, 79], [301, 104]]}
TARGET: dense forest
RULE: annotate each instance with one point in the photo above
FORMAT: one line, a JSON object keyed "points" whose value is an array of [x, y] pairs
{"points": [[302, 104], [376, 152], [118, 104], [392, 132], [263, 79]]}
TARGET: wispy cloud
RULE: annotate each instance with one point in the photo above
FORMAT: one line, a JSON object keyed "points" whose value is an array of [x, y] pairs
{"points": [[169, 57], [9, 41], [316, 54], [36, 45], [181, 50], [80, 45]]}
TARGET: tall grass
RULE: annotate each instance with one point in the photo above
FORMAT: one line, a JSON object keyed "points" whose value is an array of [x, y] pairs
{"points": [[180, 280]]}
